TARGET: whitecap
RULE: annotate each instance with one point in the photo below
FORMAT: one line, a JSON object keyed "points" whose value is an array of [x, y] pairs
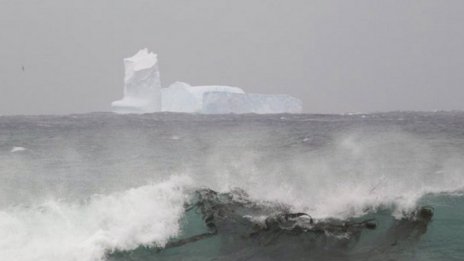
{"points": [[17, 149]]}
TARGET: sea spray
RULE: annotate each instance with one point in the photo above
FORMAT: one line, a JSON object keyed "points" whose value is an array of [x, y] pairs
{"points": [[355, 174], [86, 231]]}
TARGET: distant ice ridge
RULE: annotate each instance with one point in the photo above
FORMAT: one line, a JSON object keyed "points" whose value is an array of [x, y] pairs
{"points": [[143, 94]]}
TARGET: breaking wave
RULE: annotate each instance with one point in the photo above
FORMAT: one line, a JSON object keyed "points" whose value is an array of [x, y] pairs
{"points": [[57, 230], [152, 215]]}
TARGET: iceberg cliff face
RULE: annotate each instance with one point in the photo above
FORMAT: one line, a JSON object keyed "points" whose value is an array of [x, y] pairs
{"points": [[142, 86]]}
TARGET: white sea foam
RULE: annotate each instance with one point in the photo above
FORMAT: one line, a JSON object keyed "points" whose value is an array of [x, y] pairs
{"points": [[55, 230], [17, 149]]}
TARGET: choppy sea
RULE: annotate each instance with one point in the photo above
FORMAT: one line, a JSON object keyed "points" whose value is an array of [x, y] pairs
{"points": [[103, 186]]}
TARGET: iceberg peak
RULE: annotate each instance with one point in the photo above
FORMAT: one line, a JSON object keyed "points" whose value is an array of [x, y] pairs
{"points": [[142, 60], [142, 85]]}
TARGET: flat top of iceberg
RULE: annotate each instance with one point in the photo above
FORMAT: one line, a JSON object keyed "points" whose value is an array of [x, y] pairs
{"points": [[198, 91], [216, 88], [206, 88]]}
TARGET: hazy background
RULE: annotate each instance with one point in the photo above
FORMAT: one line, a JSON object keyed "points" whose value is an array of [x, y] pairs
{"points": [[337, 56]]}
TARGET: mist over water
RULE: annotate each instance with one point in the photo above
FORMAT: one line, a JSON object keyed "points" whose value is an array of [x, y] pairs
{"points": [[86, 185]]}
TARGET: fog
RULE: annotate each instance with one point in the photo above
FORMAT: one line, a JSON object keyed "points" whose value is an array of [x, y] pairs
{"points": [[61, 56]]}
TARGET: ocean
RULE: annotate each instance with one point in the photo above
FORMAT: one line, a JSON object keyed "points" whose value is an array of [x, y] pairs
{"points": [[165, 186]]}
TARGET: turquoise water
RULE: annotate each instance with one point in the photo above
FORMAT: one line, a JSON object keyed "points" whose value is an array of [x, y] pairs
{"points": [[441, 242]]}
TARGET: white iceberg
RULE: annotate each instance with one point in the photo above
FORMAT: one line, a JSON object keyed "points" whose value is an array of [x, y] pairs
{"points": [[181, 97], [143, 94], [142, 86]]}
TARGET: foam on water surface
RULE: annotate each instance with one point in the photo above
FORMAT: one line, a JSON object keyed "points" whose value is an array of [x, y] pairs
{"points": [[17, 149]]}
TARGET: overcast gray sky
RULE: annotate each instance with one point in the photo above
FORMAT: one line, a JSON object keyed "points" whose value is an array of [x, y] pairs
{"points": [[337, 56]]}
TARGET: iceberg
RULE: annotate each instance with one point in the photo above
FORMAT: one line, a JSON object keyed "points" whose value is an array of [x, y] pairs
{"points": [[143, 94], [142, 85]]}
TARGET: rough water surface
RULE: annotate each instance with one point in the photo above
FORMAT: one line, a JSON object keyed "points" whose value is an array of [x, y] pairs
{"points": [[117, 187]]}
